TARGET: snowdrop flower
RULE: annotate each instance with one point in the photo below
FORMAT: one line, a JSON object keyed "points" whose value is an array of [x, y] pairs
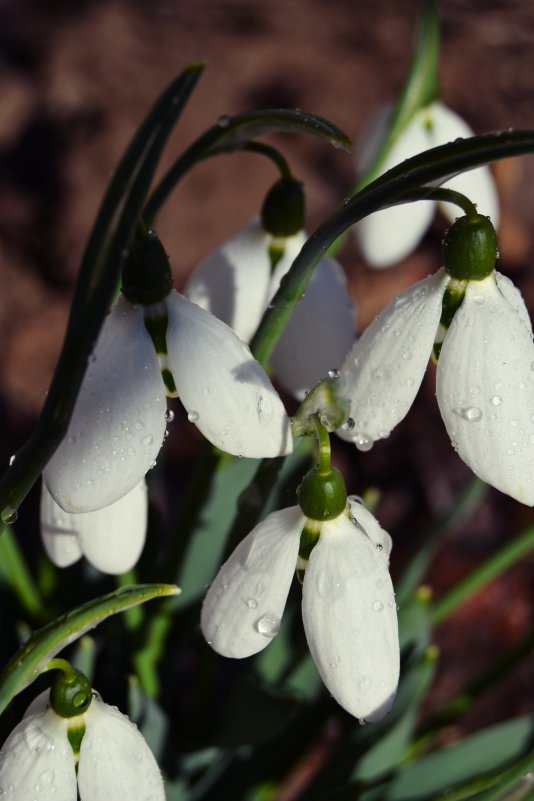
{"points": [[37, 759], [236, 282], [485, 380], [111, 539], [388, 236], [348, 605], [119, 420]]}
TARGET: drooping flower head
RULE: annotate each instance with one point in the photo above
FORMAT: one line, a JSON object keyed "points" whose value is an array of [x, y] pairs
{"points": [[476, 322], [239, 279], [98, 753], [119, 420], [387, 236], [348, 607]]}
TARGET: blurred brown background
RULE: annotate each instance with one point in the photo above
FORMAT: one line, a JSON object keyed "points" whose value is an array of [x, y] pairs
{"points": [[75, 80]]}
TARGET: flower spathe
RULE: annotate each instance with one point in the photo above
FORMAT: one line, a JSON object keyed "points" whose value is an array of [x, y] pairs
{"points": [[348, 605], [37, 760], [118, 424], [236, 283], [389, 235], [111, 539], [485, 381]]}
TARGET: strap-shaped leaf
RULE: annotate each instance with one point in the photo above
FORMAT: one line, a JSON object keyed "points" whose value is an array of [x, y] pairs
{"points": [[31, 659], [235, 133], [97, 283]]}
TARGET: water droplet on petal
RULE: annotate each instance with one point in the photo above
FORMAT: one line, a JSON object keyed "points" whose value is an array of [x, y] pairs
{"points": [[268, 625], [251, 603], [11, 460], [496, 400], [378, 606], [333, 374], [348, 425], [472, 414], [148, 439], [169, 415], [193, 416], [363, 441]]}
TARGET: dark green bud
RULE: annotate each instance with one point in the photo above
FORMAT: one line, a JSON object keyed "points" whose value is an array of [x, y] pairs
{"points": [[283, 209], [146, 275], [322, 496], [470, 248], [70, 694]]}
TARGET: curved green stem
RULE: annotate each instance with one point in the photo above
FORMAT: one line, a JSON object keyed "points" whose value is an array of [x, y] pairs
{"points": [[61, 664], [323, 442]]}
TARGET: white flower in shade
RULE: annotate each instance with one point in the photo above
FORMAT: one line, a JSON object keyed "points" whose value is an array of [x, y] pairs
{"points": [[348, 605], [485, 380], [235, 282], [111, 539], [118, 424], [115, 762], [390, 235]]}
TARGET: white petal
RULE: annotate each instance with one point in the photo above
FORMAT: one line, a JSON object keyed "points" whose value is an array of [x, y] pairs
{"points": [[36, 760], [244, 605], [118, 423], [362, 517], [111, 538], [59, 535], [233, 281], [485, 390], [350, 619], [115, 761], [514, 298], [384, 370], [477, 184], [388, 236], [319, 334], [225, 391]]}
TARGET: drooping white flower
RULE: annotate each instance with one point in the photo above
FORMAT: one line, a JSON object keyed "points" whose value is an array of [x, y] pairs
{"points": [[37, 760], [388, 236], [111, 539], [118, 424], [236, 284], [485, 381], [348, 605]]}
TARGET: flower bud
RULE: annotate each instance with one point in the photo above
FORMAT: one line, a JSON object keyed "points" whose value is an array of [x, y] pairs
{"points": [[283, 208], [470, 248]]}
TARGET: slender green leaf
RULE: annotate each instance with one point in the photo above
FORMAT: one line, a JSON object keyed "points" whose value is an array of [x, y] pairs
{"points": [[235, 133], [97, 282], [32, 658]]}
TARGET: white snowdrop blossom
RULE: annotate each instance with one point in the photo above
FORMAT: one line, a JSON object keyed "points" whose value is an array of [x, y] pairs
{"points": [[115, 762], [390, 235], [235, 282], [119, 420], [111, 539], [348, 604], [485, 380]]}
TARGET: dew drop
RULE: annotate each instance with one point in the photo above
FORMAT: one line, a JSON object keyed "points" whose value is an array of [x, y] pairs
{"points": [[11, 460], [348, 425], [251, 603], [496, 400], [71, 440], [363, 441], [379, 546], [223, 432], [407, 355], [9, 515], [333, 374], [472, 414], [193, 417], [362, 721], [268, 625], [224, 121], [378, 606], [148, 439], [365, 683], [169, 415]]}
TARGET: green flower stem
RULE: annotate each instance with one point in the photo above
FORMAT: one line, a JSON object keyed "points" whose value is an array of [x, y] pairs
{"points": [[14, 570], [323, 443], [442, 193], [234, 133], [493, 567], [271, 153], [96, 285], [420, 172], [61, 664], [420, 87]]}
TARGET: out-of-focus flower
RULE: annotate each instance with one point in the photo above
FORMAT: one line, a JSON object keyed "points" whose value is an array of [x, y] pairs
{"points": [[387, 236], [118, 424], [348, 605], [37, 760], [236, 282], [111, 539]]}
